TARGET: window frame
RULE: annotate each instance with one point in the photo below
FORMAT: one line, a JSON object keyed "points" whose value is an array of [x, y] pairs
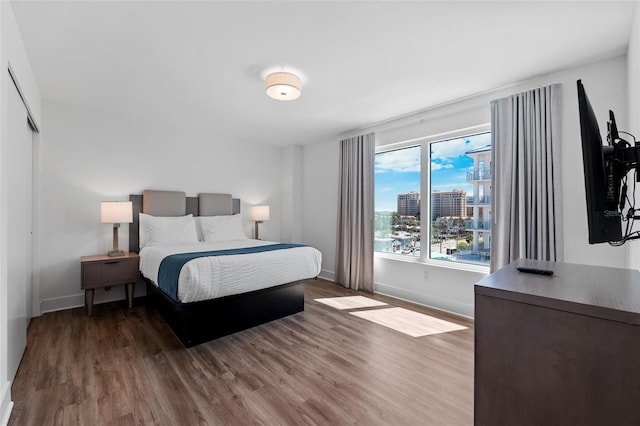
{"points": [[425, 194]]}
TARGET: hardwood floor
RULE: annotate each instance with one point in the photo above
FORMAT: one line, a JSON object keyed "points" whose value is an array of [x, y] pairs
{"points": [[320, 366]]}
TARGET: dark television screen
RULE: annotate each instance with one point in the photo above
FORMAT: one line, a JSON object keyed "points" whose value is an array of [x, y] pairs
{"points": [[602, 187]]}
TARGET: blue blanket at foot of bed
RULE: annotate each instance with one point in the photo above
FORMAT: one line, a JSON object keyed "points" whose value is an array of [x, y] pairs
{"points": [[171, 265]]}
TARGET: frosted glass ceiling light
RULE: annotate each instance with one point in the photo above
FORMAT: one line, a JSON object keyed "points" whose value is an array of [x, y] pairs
{"points": [[283, 86]]}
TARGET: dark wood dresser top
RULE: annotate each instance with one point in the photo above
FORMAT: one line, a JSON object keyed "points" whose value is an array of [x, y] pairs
{"points": [[608, 293]]}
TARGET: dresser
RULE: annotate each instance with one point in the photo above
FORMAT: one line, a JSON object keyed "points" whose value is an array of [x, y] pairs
{"points": [[557, 350]]}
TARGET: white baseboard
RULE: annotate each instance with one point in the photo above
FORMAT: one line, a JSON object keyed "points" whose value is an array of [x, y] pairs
{"points": [[441, 304], [61, 303], [6, 404], [101, 296], [327, 275]]}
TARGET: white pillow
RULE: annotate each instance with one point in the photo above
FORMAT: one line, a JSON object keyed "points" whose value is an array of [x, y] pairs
{"points": [[156, 230], [221, 228]]}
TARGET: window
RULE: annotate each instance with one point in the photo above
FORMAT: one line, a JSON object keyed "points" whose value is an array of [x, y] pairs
{"points": [[460, 180], [457, 214], [397, 198]]}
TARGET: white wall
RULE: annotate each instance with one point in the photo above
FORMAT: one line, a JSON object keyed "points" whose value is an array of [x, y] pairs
{"points": [[12, 56], [88, 157], [446, 288], [633, 73], [291, 172], [320, 201]]}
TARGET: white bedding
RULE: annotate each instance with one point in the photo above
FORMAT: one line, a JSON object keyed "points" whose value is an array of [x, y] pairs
{"points": [[218, 276]]}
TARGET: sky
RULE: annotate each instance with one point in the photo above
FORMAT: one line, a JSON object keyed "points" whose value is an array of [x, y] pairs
{"points": [[397, 172]]}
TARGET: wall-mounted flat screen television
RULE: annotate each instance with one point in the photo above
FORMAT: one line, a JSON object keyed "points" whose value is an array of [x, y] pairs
{"points": [[601, 186]]}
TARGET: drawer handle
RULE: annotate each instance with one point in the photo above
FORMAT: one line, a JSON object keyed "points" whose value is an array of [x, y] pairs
{"points": [[111, 262]]}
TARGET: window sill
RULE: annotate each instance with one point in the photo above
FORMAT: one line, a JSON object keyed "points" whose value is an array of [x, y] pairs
{"points": [[459, 266]]}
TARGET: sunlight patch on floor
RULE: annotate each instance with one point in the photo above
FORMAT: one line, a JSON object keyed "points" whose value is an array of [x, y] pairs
{"points": [[350, 302], [408, 322]]}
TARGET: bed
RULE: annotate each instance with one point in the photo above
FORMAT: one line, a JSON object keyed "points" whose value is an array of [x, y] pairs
{"points": [[224, 284]]}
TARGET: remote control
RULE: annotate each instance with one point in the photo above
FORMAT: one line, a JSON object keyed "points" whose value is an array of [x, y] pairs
{"points": [[534, 270]]}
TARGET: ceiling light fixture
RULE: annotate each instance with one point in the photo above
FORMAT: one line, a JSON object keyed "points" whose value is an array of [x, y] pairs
{"points": [[283, 86]]}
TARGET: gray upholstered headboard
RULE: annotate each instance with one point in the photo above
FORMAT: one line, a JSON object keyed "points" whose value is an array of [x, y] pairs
{"points": [[164, 203], [215, 204], [176, 203]]}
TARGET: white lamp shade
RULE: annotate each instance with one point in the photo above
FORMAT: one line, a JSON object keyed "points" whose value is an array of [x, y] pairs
{"points": [[260, 213], [283, 86], [116, 212]]}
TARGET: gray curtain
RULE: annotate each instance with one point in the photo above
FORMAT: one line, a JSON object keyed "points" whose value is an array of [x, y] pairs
{"points": [[354, 254], [526, 185]]}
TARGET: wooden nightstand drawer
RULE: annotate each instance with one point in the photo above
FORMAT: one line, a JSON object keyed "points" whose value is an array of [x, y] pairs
{"points": [[104, 271], [112, 272]]}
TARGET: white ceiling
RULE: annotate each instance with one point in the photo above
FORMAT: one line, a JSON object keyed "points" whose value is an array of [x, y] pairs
{"points": [[198, 64]]}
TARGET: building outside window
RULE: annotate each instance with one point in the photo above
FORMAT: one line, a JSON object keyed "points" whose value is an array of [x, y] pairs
{"points": [[457, 216], [480, 202], [409, 204], [448, 203]]}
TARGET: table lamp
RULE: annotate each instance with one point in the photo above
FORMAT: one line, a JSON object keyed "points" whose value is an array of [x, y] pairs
{"points": [[259, 214], [116, 212]]}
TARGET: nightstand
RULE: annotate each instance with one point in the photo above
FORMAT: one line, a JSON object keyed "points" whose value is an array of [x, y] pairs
{"points": [[104, 271]]}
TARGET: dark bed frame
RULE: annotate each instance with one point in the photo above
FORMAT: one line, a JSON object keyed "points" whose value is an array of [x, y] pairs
{"points": [[198, 322]]}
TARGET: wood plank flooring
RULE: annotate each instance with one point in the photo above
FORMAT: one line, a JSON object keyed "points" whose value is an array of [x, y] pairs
{"points": [[321, 366]]}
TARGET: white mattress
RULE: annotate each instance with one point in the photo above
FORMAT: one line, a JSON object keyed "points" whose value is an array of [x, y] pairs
{"points": [[218, 276]]}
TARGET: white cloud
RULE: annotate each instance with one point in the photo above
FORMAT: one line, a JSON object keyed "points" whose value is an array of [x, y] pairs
{"points": [[443, 153], [454, 148], [402, 160], [438, 166]]}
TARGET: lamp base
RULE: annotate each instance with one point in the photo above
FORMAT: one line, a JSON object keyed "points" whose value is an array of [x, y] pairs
{"points": [[116, 251]]}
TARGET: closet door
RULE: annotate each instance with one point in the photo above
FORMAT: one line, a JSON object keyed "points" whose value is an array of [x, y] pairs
{"points": [[19, 221]]}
